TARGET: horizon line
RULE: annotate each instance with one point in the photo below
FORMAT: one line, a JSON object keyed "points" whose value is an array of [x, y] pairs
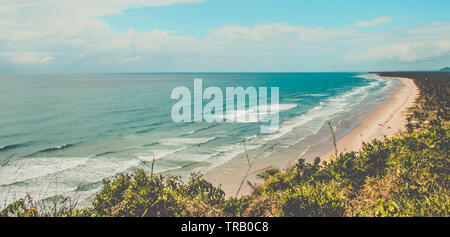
{"points": [[216, 72]]}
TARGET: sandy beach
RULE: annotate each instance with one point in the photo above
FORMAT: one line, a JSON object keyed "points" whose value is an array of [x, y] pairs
{"points": [[387, 120]]}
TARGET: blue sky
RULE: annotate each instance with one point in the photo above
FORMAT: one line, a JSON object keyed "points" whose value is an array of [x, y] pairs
{"points": [[223, 35], [195, 19]]}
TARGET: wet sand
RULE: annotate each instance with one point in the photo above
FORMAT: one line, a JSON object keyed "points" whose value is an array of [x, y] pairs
{"points": [[387, 120]]}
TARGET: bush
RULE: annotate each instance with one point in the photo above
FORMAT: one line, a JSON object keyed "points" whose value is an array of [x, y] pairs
{"points": [[20, 208], [136, 195], [142, 195], [417, 179], [312, 201]]}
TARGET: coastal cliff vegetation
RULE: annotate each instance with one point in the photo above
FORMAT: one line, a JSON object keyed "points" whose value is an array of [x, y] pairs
{"points": [[406, 175]]}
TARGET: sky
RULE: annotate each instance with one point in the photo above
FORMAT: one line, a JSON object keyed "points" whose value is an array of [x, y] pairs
{"points": [[108, 36]]}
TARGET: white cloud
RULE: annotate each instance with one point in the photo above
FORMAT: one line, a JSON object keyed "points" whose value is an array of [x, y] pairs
{"points": [[407, 44], [378, 21], [47, 31], [405, 52], [131, 59], [27, 57], [60, 26], [281, 31], [258, 32], [86, 7]]}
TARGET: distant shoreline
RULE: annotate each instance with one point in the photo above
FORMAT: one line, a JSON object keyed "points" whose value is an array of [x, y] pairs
{"points": [[386, 120]]}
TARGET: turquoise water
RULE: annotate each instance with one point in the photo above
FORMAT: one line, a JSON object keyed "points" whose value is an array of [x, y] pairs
{"points": [[68, 132]]}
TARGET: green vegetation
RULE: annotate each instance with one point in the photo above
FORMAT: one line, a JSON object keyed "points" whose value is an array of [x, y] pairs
{"points": [[407, 175]]}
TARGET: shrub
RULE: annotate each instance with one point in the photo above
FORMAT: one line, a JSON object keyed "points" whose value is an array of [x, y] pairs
{"points": [[136, 195], [20, 208], [312, 201]]}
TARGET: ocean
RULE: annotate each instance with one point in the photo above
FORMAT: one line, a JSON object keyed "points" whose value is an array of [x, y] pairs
{"points": [[62, 134]]}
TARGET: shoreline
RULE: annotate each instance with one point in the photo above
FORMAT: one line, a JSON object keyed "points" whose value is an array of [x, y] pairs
{"points": [[388, 120]]}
